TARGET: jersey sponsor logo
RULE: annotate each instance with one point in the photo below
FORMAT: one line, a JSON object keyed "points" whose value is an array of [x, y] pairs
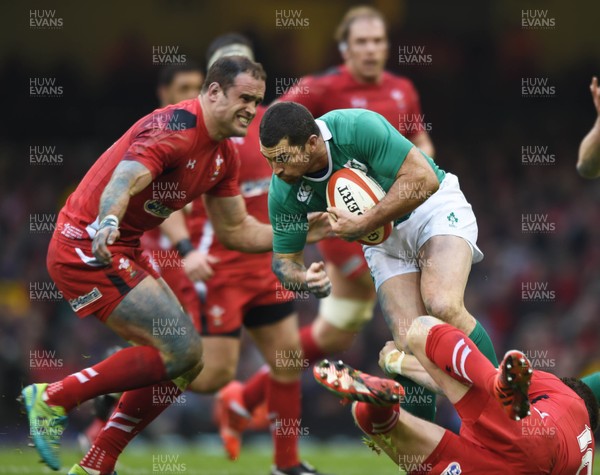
{"points": [[156, 208], [258, 187], [452, 469], [357, 165], [305, 193], [84, 300]]}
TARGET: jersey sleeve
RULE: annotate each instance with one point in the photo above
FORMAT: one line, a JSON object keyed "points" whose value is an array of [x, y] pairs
{"points": [[289, 223], [229, 184], [309, 92], [379, 144], [158, 148]]}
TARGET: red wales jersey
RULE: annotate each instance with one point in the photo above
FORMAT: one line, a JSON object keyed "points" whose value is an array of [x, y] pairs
{"points": [[394, 97], [173, 143], [555, 439], [254, 179]]}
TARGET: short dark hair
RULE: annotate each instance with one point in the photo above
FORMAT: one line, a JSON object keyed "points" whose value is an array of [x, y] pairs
{"points": [[224, 71], [287, 120], [226, 40], [356, 13], [168, 73], [585, 393]]}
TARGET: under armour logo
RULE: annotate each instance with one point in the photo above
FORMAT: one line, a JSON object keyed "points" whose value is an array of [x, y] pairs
{"points": [[191, 164]]}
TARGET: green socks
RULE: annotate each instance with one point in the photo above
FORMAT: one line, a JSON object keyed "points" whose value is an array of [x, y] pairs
{"points": [[420, 402], [482, 341]]}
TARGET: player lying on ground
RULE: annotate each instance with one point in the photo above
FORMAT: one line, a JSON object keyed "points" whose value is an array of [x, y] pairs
{"points": [[432, 245], [588, 163], [95, 259], [514, 420]]}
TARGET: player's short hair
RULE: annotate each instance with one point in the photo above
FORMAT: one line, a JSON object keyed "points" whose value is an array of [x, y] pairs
{"points": [[224, 71], [585, 393], [168, 73], [355, 13], [287, 120], [228, 39]]}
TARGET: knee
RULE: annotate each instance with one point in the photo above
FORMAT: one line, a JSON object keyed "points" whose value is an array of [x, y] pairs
{"points": [[215, 378], [183, 354], [287, 364], [416, 336], [419, 331], [447, 308]]}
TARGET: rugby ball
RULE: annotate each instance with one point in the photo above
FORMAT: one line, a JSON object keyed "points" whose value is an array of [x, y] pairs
{"points": [[352, 189]]}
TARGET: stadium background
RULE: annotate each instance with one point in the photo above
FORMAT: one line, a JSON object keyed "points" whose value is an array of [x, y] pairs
{"points": [[481, 124]]}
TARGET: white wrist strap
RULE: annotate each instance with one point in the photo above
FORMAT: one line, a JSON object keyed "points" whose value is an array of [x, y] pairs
{"points": [[394, 367]]}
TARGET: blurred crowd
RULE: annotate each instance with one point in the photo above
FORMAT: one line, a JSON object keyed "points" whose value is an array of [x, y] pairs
{"points": [[537, 291]]}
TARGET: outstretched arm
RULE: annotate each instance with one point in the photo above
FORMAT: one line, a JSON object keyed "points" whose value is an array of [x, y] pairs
{"points": [[588, 163], [234, 227], [394, 362]]}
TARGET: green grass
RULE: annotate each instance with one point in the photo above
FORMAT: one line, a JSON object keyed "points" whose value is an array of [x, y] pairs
{"points": [[187, 460]]}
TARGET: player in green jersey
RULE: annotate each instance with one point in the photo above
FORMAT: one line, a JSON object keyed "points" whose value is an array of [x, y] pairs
{"points": [[423, 267]]}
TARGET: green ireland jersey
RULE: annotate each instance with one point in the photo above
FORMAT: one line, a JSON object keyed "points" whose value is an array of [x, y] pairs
{"points": [[354, 138]]}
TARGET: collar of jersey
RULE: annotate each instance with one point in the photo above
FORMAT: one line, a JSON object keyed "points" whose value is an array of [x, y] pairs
{"points": [[326, 134]]}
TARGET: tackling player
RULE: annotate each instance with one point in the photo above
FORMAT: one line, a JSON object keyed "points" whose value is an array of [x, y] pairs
{"points": [[360, 82], [588, 163], [513, 420], [95, 259], [176, 83], [433, 243]]}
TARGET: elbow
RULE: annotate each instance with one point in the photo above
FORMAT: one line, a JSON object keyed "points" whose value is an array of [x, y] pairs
{"points": [[430, 183], [585, 169]]}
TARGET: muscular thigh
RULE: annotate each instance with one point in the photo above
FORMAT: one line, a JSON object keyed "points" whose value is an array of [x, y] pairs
{"points": [[151, 315]]}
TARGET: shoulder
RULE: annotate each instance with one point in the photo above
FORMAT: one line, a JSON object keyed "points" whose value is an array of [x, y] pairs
{"points": [[396, 81]]}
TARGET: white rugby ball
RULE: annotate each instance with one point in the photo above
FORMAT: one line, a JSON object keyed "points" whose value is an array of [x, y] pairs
{"points": [[352, 189]]}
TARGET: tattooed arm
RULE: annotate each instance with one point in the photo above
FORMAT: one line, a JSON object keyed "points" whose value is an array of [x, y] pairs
{"points": [[290, 270], [128, 179]]}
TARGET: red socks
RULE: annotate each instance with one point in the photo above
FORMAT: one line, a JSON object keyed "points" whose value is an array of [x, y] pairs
{"points": [[129, 368], [451, 350], [135, 410], [375, 420], [255, 389], [310, 348], [283, 401], [254, 392]]}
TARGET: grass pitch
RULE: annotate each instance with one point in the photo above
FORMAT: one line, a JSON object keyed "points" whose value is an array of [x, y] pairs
{"points": [[188, 460]]}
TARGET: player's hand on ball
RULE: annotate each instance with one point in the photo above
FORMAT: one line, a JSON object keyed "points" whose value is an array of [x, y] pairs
{"points": [[318, 227], [344, 224], [197, 265], [317, 280], [106, 236], [595, 90]]}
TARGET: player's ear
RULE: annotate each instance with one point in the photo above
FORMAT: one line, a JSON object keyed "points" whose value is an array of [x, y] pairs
{"points": [[213, 91], [343, 49]]}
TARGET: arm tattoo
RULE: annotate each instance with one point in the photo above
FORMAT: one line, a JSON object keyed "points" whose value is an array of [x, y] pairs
{"points": [[118, 191], [290, 273]]}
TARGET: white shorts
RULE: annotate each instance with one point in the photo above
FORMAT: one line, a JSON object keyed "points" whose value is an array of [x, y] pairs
{"points": [[446, 212]]}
